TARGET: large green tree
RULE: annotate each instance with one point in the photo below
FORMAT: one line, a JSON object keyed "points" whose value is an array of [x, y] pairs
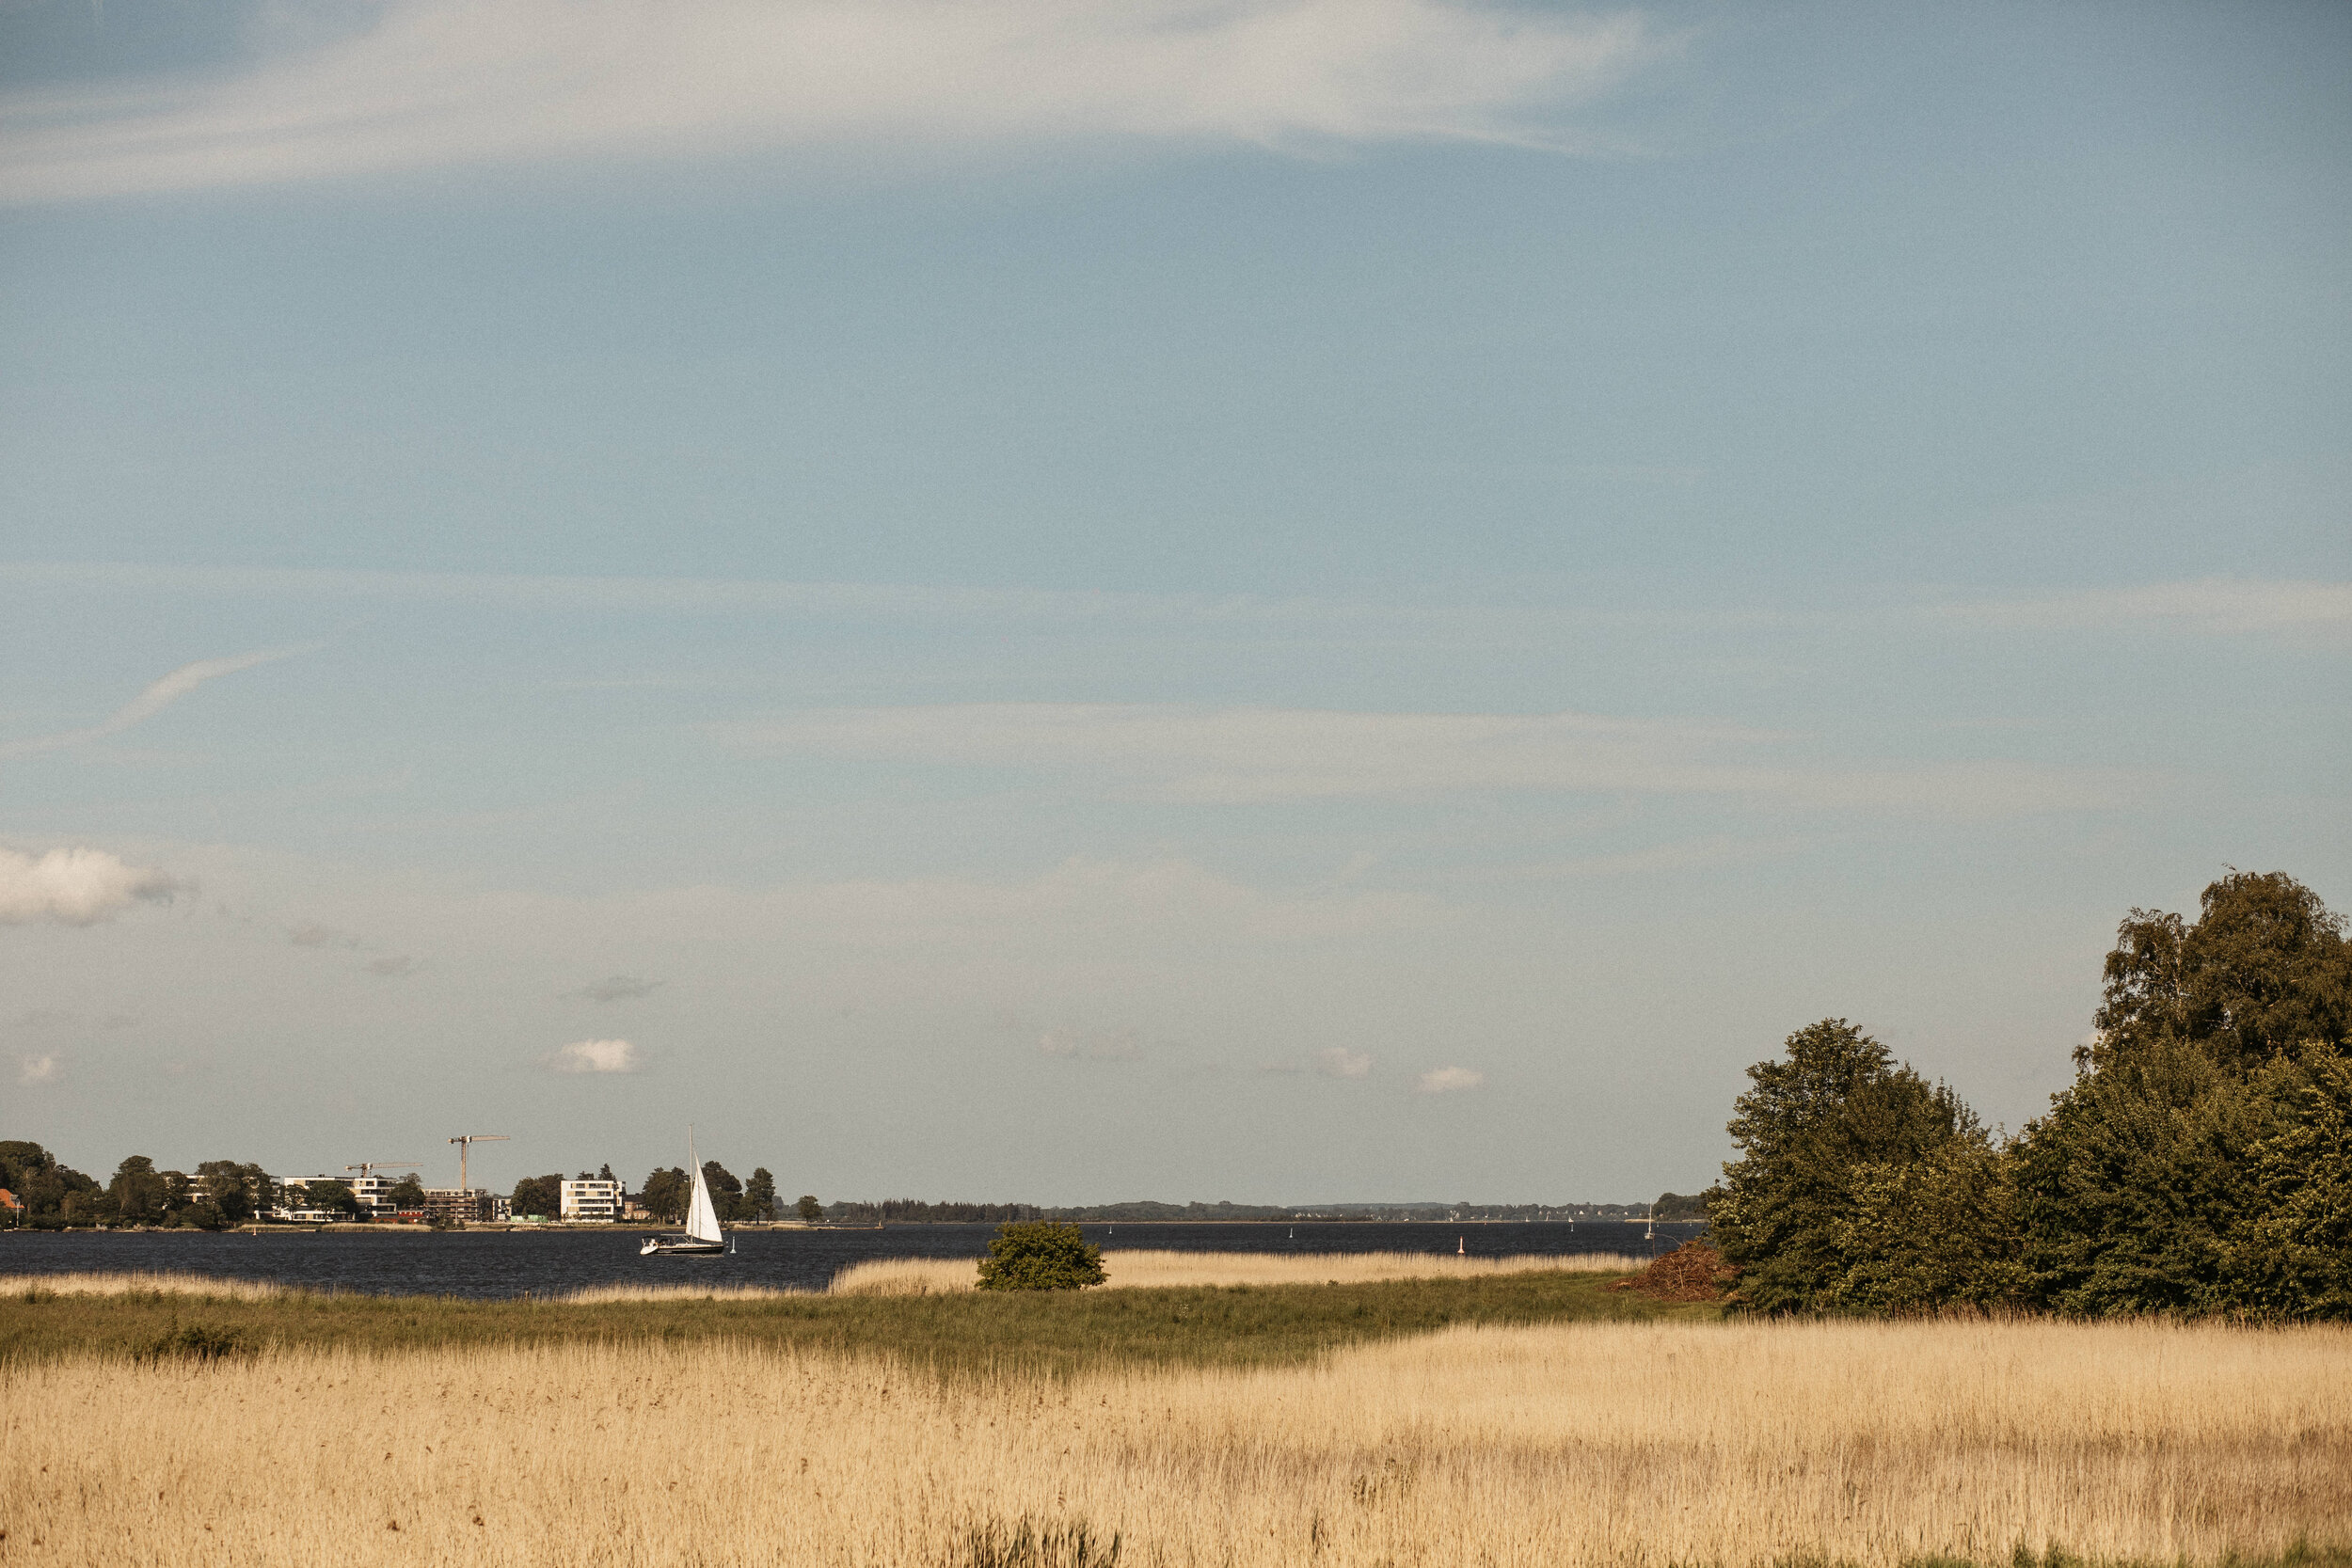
{"points": [[1809, 1128], [2264, 973], [667, 1192], [2293, 1257], [542, 1196], [1938, 1231], [236, 1191], [334, 1195], [141, 1194], [2176, 1174], [759, 1195], [52, 1193]]}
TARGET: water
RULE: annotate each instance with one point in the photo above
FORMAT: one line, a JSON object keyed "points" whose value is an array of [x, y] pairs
{"points": [[493, 1263]]}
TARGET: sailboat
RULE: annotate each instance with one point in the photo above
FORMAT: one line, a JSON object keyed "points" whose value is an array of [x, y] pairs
{"points": [[702, 1220]]}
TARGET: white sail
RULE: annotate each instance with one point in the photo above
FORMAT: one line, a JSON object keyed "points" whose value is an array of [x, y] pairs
{"points": [[702, 1220]]}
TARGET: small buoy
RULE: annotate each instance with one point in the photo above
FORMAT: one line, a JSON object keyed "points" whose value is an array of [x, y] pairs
{"points": [[1458, 1248]]}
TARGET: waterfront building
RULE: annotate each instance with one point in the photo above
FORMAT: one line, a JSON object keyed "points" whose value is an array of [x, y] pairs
{"points": [[588, 1199], [293, 1202], [460, 1206]]}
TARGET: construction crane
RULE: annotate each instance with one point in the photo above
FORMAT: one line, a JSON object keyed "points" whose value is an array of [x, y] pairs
{"points": [[465, 1142], [368, 1167]]}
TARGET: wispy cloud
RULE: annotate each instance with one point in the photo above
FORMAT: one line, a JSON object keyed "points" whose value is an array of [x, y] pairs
{"points": [[617, 987], [158, 696], [2216, 607], [592, 1056], [77, 886], [1337, 1061], [1239, 756], [1118, 1045], [312, 934], [393, 966], [437, 83], [1447, 1080], [38, 1069]]}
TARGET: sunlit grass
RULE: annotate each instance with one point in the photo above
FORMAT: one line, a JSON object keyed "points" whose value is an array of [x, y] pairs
{"points": [[953, 1331], [1140, 1269], [1633, 1443]]}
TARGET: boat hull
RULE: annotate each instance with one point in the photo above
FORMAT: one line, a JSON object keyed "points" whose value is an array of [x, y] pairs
{"points": [[686, 1244]]}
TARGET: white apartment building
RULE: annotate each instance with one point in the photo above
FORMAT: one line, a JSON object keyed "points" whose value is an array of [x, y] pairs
{"points": [[375, 1193], [294, 1201], [591, 1200]]}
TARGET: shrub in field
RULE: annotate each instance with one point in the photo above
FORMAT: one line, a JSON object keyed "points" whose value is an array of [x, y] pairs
{"points": [[1692, 1272], [1041, 1255], [196, 1342]]}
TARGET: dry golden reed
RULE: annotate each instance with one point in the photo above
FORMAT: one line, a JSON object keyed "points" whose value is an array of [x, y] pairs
{"points": [[919, 1277], [1140, 1269], [1632, 1444], [137, 1283]]}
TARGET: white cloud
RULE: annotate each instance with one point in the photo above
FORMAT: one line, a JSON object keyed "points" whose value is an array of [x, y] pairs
{"points": [[1445, 1080], [1099, 1046], [592, 1056], [438, 83], [158, 696], [1337, 1061], [73, 887], [37, 1070], [1239, 756], [2216, 607]]}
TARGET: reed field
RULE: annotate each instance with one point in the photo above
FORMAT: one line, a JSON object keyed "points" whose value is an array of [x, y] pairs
{"points": [[1626, 1443], [951, 1333], [1134, 1269], [1141, 1269]]}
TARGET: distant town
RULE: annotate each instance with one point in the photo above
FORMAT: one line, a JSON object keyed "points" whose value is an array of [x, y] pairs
{"points": [[38, 1193]]}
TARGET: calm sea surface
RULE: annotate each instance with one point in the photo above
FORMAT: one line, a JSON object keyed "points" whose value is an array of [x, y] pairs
{"points": [[507, 1263]]}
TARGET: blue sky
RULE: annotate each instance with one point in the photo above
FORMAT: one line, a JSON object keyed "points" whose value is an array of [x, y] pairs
{"points": [[1066, 600]]}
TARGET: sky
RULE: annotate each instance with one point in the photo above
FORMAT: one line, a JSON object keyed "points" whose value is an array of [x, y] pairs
{"points": [[1067, 600]]}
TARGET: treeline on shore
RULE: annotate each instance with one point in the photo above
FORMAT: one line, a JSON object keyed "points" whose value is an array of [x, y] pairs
{"points": [[2200, 1163]]}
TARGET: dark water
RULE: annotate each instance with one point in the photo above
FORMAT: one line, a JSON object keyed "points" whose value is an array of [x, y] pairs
{"points": [[489, 1263]]}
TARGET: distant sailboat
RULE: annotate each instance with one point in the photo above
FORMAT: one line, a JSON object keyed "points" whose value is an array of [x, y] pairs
{"points": [[702, 1220]]}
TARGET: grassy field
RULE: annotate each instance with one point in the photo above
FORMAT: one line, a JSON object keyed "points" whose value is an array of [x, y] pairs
{"points": [[1053, 1333], [1626, 1443], [1143, 1269]]}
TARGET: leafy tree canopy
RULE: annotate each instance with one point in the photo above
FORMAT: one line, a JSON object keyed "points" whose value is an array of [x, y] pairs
{"points": [[1807, 1129], [667, 1192], [335, 1197], [538, 1195], [2264, 973]]}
